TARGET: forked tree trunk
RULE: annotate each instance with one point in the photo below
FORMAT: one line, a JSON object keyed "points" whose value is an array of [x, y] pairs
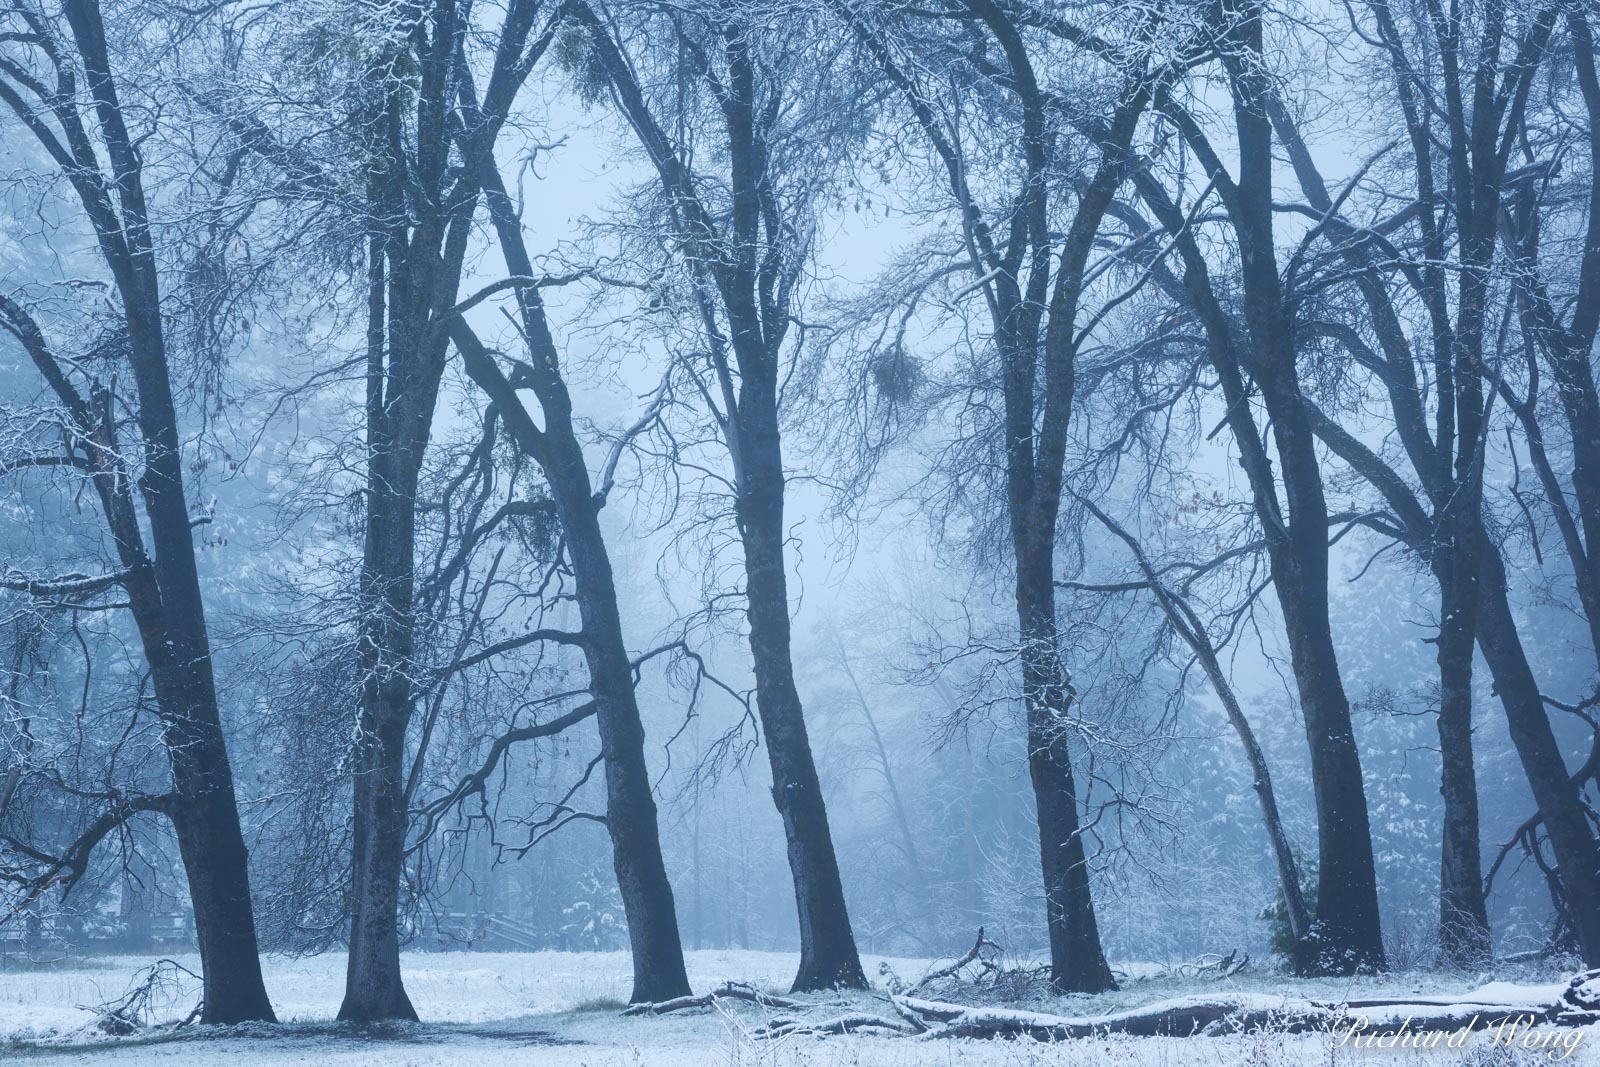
{"points": [[1348, 928], [733, 288], [399, 411]]}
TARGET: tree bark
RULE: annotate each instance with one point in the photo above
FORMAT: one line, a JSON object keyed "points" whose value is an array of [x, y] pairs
{"points": [[658, 970], [647, 900], [1348, 927], [1463, 914], [1077, 963], [750, 298], [1566, 822], [163, 584], [828, 956]]}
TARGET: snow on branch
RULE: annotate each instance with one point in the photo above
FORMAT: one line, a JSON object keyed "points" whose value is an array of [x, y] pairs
{"points": [[62, 585]]}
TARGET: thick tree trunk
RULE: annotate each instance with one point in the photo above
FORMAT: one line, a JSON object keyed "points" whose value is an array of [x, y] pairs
{"points": [[164, 589], [1347, 931], [828, 956], [374, 989], [216, 862], [1571, 835], [205, 817], [396, 435], [1077, 964]]}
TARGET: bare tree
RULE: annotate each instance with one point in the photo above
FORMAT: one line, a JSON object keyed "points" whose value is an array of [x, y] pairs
{"points": [[58, 80], [1033, 274], [741, 240], [658, 969]]}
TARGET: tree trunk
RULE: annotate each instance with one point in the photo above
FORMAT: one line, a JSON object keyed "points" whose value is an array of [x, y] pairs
{"points": [[164, 587], [212, 847], [374, 989], [1348, 927], [1571, 835], [1463, 915], [828, 957], [1077, 964], [397, 431], [658, 970], [1347, 931]]}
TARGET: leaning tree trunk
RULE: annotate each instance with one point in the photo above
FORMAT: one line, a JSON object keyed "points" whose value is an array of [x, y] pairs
{"points": [[1565, 817], [658, 970], [828, 957], [166, 605], [211, 844], [164, 587], [1077, 964], [1347, 930]]}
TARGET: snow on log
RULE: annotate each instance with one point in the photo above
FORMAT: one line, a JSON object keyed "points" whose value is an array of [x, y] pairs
{"points": [[1179, 1017], [1488, 1006], [727, 991], [845, 1024], [1582, 993], [1574, 1003]]}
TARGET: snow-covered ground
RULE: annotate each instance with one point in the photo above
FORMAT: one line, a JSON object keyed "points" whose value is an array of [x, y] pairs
{"points": [[563, 1010]]}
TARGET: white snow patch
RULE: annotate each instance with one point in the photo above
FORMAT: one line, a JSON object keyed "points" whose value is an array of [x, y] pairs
{"points": [[499, 1009]]}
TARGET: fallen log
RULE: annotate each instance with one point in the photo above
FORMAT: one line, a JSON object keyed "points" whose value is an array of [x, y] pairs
{"points": [[1180, 1017], [1489, 1006], [844, 1024], [1583, 992], [727, 991], [1573, 1003]]}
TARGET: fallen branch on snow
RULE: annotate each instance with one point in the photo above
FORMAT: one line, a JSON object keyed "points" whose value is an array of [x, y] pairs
{"points": [[974, 955], [135, 1010], [844, 1024], [727, 991]]}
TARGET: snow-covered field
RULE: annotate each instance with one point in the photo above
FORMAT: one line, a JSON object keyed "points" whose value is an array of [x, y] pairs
{"points": [[563, 1010]]}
